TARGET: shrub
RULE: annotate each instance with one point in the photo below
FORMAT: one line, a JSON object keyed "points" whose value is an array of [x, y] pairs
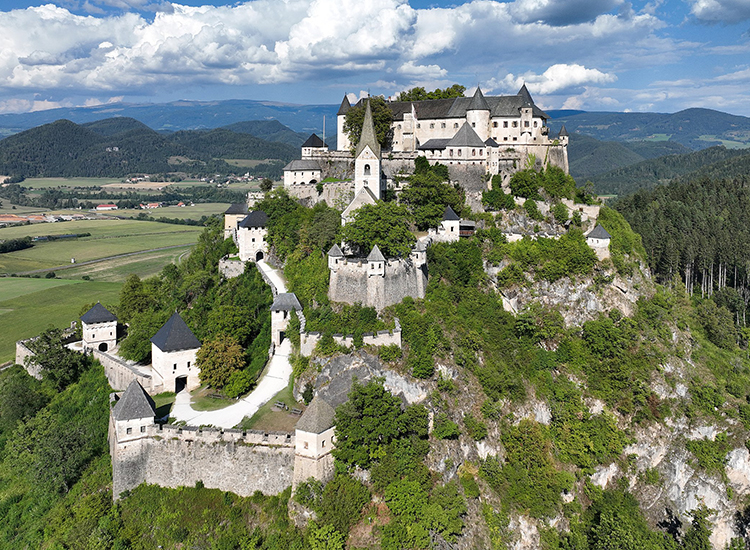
{"points": [[390, 353], [444, 428], [342, 502], [560, 212], [532, 210], [476, 428]]}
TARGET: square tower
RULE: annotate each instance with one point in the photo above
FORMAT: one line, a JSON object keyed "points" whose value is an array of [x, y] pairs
{"points": [[99, 327]]}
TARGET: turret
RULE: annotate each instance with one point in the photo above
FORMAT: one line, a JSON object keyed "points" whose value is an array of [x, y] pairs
{"points": [[335, 256], [342, 140], [563, 136], [478, 115], [375, 263]]}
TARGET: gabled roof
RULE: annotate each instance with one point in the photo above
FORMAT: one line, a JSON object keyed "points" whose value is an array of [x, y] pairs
{"points": [[304, 164], [362, 198], [375, 255], [368, 136], [286, 301], [345, 106], [335, 252], [236, 208], [318, 417], [599, 233], [466, 137], [175, 335], [314, 141], [98, 314], [478, 103], [563, 131], [256, 218], [450, 214], [489, 142], [134, 403]]}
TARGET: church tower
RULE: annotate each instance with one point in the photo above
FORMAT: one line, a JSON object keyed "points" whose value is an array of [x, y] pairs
{"points": [[342, 140], [478, 115], [367, 158]]}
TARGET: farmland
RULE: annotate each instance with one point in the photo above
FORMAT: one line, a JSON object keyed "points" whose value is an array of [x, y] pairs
{"points": [[108, 238], [29, 306]]}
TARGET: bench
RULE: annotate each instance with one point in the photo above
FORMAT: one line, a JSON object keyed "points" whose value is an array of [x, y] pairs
{"points": [[282, 406], [296, 412]]}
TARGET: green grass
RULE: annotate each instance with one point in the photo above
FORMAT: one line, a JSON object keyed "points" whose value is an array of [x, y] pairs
{"points": [[108, 238], [34, 311], [45, 183], [728, 143], [267, 419], [144, 265], [245, 163], [658, 137], [207, 399], [164, 402], [8, 208], [12, 287], [184, 213]]}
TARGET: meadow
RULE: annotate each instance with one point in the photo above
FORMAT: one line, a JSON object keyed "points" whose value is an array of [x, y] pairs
{"points": [[46, 183], [108, 238], [29, 306], [183, 213]]}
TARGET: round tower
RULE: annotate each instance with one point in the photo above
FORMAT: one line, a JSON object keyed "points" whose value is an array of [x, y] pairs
{"points": [[478, 115]]}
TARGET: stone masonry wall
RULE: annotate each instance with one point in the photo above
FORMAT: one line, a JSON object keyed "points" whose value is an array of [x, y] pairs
{"points": [[22, 352], [336, 195], [120, 374], [229, 460], [231, 268], [308, 340]]}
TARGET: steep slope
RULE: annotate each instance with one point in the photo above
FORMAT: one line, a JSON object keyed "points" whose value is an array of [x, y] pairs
{"points": [[116, 125], [269, 130], [222, 143]]}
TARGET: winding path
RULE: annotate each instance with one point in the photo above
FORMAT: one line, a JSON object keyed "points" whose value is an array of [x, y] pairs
{"points": [[275, 379]]}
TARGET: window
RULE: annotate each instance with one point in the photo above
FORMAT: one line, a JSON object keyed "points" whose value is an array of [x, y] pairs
{"points": [[253, 239], [526, 124], [419, 125], [367, 169], [473, 124], [494, 124], [93, 336], [129, 431], [459, 152], [323, 443], [143, 429], [442, 124], [188, 364], [515, 138], [432, 125], [473, 152], [515, 124], [399, 126], [450, 152], [505, 124], [305, 443], [455, 124], [535, 123], [481, 152]]}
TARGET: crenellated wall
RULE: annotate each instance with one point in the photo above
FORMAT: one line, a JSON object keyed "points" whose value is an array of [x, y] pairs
{"points": [[174, 456], [308, 340]]}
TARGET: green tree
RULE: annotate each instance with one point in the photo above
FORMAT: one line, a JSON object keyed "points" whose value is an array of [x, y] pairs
{"points": [[385, 224], [21, 396], [133, 299], [343, 501], [382, 117], [137, 345], [266, 184], [426, 197], [420, 94], [325, 537], [525, 183], [218, 360], [697, 535], [58, 364]]}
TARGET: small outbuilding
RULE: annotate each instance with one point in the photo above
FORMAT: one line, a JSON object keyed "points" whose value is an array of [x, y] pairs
{"points": [[99, 329], [174, 350], [598, 239], [302, 172], [281, 312]]}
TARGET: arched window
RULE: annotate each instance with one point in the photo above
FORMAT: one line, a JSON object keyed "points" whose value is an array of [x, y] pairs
{"points": [[367, 169]]}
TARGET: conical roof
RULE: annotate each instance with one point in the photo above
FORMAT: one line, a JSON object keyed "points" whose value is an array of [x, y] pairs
{"points": [[318, 417], [345, 106], [98, 314], [450, 214], [478, 103], [563, 131], [526, 96], [175, 335], [286, 301], [466, 137], [599, 233], [335, 251], [368, 136], [375, 255], [134, 403]]}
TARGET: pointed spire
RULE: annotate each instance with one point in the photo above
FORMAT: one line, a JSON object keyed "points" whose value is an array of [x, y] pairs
{"points": [[526, 96], [335, 252], [478, 103], [368, 136], [345, 106], [563, 132], [375, 255]]}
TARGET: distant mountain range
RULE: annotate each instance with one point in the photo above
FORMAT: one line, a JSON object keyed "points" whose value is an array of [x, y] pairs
{"points": [[116, 147]]}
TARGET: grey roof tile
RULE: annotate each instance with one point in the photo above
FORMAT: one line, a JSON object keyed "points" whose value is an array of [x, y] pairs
{"points": [[466, 137], [450, 214], [317, 418], [134, 403], [236, 208], [345, 106], [286, 301], [175, 335], [303, 164], [375, 255], [256, 218], [335, 251], [599, 233], [314, 141], [368, 136], [98, 314], [478, 103]]}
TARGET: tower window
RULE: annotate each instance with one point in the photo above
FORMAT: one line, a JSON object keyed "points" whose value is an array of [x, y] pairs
{"points": [[494, 124], [432, 125], [442, 124], [505, 124], [367, 169], [515, 124], [455, 124], [526, 124], [473, 124]]}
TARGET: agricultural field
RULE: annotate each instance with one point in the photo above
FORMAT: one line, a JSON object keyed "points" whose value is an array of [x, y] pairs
{"points": [[117, 269], [46, 183], [29, 306], [184, 213], [108, 238]]}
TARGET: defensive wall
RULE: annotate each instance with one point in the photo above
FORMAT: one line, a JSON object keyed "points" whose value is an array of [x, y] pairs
{"points": [[308, 340], [120, 374], [22, 353], [230, 460], [336, 194]]}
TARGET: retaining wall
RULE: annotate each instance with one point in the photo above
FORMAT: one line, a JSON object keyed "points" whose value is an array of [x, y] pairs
{"points": [[120, 374]]}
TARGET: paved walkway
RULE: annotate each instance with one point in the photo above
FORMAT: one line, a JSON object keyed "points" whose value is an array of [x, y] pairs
{"points": [[276, 379]]}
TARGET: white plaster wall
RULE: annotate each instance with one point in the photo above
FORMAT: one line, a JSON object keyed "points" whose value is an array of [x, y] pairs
{"points": [[313, 445], [251, 241], [164, 364], [99, 333]]}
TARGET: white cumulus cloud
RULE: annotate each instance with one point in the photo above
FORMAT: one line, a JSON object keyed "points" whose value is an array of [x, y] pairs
{"points": [[720, 11], [559, 78]]}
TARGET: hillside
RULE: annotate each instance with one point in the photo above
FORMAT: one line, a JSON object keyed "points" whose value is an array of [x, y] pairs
{"points": [[693, 128], [269, 130], [650, 173], [117, 147]]}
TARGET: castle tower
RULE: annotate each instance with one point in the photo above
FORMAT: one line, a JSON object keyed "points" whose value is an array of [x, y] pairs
{"points": [[335, 255], [527, 113], [313, 147], [99, 327], [129, 422], [232, 218], [450, 225], [342, 140], [367, 158], [375, 263], [251, 236], [174, 349], [478, 115], [563, 136], [281, 312], [314, 441], [598, 239]]}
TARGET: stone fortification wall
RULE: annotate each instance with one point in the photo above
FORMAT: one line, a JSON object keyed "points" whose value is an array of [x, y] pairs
{"points": [[336, 194], [120, 374], [308, 340], [231, 268], [229, 460], [22, 352], [588, 212], [349, 283]]}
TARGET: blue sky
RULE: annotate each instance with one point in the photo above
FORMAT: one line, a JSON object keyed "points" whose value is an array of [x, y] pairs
{"points": [[596, 55]]}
